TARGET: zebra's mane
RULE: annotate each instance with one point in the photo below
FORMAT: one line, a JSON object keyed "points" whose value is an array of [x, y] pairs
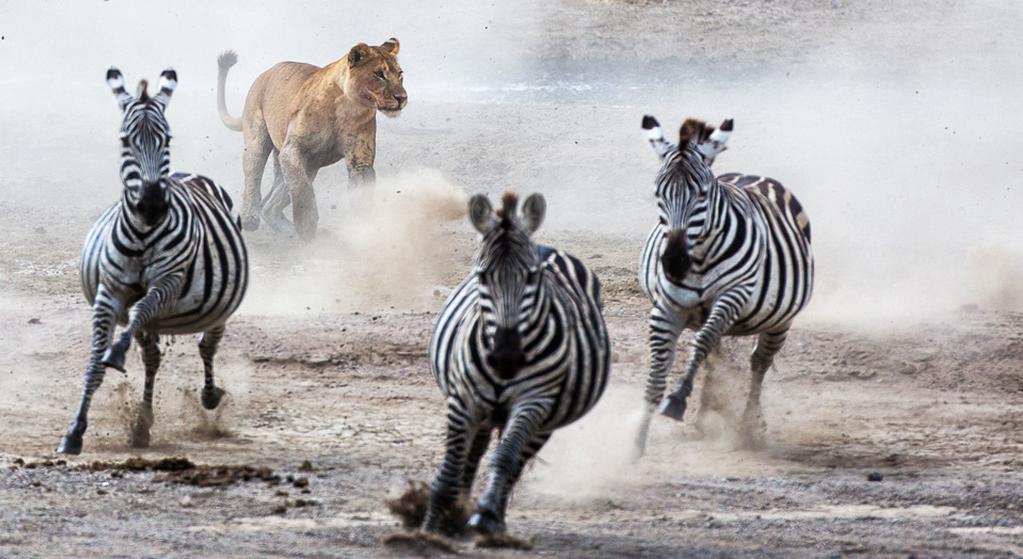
{"points": [[509, 203], [508, 244]]}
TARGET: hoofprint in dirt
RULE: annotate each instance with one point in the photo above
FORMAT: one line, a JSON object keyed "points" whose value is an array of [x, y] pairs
{"points": [[929, 411]]}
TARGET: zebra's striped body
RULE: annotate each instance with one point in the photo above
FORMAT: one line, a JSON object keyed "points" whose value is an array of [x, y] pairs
{"points": [[199, 239], [168, 258], [729, 256], [520, 346]]}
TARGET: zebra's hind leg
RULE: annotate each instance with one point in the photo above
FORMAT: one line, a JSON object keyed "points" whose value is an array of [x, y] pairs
{"points": [[521, 440], [104, 315], [722, 316], [664, 332], [461, 429], [149, 343], [768, 345], [708, 400], [211, 393], [479, 446]]}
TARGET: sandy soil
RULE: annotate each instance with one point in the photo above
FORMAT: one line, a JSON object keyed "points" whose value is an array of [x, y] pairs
{"points": [[894, 425]]}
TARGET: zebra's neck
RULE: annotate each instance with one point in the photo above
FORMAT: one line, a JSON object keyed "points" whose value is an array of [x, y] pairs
{"points": [[722, 212], [134, 227], [541, 308]]}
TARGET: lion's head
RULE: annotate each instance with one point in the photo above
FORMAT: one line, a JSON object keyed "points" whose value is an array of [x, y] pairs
{"points": [[375, 77]]}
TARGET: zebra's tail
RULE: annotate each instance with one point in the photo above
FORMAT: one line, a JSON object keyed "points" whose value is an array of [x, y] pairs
{"points": [[226, 59]]}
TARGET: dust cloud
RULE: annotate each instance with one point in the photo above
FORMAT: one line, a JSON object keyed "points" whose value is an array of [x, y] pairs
{"points": [[900, 142]]}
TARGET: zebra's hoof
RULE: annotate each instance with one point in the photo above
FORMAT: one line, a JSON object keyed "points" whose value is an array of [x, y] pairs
{"points": [[140, 429], [211, 397], [673, 407], [70, 444], [114, 357], [485, 522]]}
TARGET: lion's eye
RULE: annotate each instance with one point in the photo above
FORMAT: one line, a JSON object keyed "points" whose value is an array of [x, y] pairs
{"points": [[380, 74]]}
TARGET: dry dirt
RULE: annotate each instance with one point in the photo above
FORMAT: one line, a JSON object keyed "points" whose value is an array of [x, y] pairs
{"points": [[893, 413]]}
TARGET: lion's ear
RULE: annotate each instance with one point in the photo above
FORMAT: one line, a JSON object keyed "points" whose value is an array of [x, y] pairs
{"points": [[358, 54], [391, 46]]}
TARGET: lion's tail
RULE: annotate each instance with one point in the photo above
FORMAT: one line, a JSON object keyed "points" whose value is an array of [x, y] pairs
{"points": [[226, 59]]}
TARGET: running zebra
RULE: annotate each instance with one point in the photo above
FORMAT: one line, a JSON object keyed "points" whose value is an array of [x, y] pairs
{"points": [[728, 256], [520, 346], [168, 258]]}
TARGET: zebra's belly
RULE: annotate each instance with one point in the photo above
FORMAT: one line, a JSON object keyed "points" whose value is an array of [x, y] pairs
{"points": [[214, 292]]}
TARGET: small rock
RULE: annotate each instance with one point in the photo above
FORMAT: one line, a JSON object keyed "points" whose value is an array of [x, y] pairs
{"points": [[34, 320], [101, 492], [185, 502], [280, 509], [302, 482], [875, 476], [306, 466]]}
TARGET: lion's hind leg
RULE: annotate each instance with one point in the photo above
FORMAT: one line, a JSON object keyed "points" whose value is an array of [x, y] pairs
{"points": [[277, 201]]}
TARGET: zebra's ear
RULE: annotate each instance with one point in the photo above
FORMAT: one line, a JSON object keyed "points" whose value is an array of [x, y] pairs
{"points": [[533, 212], [168, 82], [116, 82], [715, 142], [655, 135], [481, 214]]}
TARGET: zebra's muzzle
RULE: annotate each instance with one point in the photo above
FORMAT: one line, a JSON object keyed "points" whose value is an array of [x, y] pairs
{"points": [[675, 258], [506, 357], [152, 204]]}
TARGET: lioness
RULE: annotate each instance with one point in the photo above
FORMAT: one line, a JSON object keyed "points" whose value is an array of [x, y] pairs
{"points": [[310, 117]]}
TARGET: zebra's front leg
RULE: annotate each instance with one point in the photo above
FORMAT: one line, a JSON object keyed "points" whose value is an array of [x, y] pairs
{"points": [[520, 441], [160, 294], [208, 343], [722, 317], [665, 329], [768, 345], [461, 429], [149, 343], [105, 311]]}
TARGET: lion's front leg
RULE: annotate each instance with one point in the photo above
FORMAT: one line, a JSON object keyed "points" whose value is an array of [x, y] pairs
{"points": [[360, 153]]}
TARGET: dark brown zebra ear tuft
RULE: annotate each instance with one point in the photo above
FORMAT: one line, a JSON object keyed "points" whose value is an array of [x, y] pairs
{"points": [[692, 130], [509, 202], [142, 94]]}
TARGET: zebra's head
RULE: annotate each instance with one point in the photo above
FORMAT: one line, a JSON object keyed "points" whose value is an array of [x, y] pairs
{"points": [[684, 188], [145, 145], [508, 274]]}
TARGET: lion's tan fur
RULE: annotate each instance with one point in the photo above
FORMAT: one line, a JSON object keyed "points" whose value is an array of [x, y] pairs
{"points": [[309, 117]]}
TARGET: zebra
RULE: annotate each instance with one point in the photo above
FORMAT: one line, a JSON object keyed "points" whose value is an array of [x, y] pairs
{"points": [[728, 257], [168, 258], [520, 346]]}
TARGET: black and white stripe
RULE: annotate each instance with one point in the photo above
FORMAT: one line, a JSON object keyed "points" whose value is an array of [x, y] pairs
{"points": [[728, 256], [168, 258], [520, 346]]}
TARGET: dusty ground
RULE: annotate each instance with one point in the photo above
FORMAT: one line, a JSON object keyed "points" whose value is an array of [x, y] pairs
{"points": [[906, 371]]}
